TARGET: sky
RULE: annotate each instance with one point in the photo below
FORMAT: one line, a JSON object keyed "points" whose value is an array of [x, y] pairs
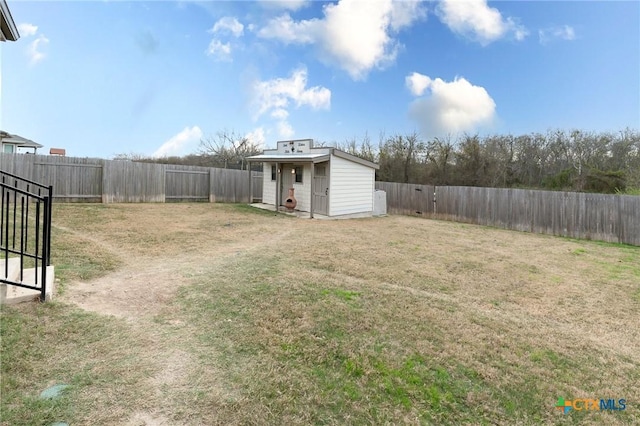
{"points": [[102, 78]]}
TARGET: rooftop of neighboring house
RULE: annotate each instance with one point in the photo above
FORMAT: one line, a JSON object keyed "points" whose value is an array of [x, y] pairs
{"points": [[8, 29], [8, 138]]}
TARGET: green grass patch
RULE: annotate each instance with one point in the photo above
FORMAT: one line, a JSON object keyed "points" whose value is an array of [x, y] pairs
{"points": [[47, 344], [247, 208], [345, 295]]}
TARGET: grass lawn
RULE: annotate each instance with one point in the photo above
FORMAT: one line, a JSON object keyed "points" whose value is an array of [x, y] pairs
{"points": [[202, 314]]}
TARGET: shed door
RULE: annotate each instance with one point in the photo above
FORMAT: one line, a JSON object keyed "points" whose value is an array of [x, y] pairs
{"points": [[321, 190], [286, 182]]}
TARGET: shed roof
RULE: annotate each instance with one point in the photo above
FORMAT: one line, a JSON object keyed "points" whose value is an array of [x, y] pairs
{"points": [[293, 158], [312, 157]]}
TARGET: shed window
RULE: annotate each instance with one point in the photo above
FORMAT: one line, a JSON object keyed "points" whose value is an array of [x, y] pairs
{"points": [[298, 174], [273, 172], [8, 148]]}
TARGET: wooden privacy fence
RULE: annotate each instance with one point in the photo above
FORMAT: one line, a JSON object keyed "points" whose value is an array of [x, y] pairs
{"points": [[612, 218], [114, 181]]}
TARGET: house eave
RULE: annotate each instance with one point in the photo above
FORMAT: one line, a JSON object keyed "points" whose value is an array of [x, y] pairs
{"points": [[8, 28], [20, 142]]}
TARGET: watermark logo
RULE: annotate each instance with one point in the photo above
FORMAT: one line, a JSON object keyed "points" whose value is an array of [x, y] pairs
{"points": [[563, 405], [589, 404]]}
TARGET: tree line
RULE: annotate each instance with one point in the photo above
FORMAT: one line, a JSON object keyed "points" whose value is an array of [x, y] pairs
{"points": [[557, 160], [575, 160]]}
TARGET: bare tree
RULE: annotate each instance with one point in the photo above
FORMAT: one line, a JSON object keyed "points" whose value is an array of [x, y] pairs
{"points": [[440, 156], [132, 156], [400, 158], [229, 148], [363, 149]]}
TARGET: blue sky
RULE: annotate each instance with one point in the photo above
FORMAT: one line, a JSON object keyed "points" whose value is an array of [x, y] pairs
{"points": [[100, 78]]}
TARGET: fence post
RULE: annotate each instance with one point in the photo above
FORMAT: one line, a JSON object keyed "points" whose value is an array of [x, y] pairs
{"points": [[212, 197], [434, 200], [105, 182]]}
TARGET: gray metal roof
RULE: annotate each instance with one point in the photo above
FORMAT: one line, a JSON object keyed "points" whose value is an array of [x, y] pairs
{"points": [[312, 158], [290, 158]]}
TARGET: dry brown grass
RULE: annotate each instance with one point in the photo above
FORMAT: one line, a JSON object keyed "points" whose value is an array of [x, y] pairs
{"points": [[229, 316]]}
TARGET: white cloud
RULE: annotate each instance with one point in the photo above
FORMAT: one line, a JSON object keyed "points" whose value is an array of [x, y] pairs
{"points": [[280, 114], [354, 35], [476, 20], [257, 137], [275, 95], [229, 25], [285, 130], [27, 29], [178, 144], [405, 12], [34, 49], [450, 107], [219, 50], [225, 26], [564, 32], [417, 83], [520, 32], [284, 4], [286, 30]]}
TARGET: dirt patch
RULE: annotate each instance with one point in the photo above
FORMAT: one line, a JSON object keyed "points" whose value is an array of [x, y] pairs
{"points": [[146, 419], [129, 293], [157, 259]]}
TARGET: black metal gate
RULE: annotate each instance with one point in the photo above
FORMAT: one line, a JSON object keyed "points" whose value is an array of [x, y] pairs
{"points": [[25, 232]]}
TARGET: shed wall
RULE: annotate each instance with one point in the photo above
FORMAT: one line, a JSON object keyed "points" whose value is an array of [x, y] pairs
{"points": [[351, 187], [268, 185]]}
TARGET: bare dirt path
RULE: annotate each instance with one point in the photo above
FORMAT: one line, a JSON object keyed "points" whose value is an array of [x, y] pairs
{"points": [[144, 285], [148, 279]]}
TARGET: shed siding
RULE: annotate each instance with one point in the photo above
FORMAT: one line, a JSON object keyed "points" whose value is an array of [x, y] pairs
{"points": [[268, 186], [303, 190], [351, 187]]}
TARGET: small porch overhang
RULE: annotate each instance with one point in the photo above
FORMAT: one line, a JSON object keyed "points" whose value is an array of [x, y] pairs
{"points": [[289, 158], [279, 159]]}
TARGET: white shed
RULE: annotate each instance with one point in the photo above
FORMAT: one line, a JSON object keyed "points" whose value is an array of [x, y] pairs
{"points": [[326, 181]]}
